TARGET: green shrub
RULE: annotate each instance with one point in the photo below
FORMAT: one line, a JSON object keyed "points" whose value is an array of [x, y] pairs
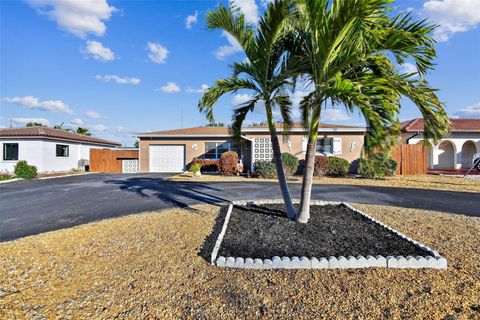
{"points": [[228, 163], [336, 166], [377, 166], [6, 176], [25, 171], [290, 164], [265, 169], [331, 166], [195, 167]]}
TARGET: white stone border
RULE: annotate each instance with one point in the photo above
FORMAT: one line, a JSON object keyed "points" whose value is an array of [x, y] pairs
{"points": [[432, 261], [222, 233]]}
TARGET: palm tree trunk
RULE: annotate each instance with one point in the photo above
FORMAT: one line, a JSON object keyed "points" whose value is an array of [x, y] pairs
{"points": [[304, 214], [277, 156], [306, 193]]}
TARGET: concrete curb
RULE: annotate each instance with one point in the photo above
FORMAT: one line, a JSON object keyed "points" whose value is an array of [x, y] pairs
{"points": [[432, 261]]}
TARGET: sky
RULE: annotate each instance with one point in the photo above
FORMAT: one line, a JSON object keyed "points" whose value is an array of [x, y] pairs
{"points": [[123, 67]]}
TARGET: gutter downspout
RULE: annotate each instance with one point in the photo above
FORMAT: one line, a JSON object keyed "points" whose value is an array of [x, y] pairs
{"points": [[408, 140]]}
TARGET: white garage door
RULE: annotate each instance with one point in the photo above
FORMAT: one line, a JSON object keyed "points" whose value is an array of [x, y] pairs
{"points": [[167, 158]]}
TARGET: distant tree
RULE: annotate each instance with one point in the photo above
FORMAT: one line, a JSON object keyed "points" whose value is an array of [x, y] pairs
{"points": [[83, 131], [58, 126], [216, 124], [136, 144], [34, 124]]}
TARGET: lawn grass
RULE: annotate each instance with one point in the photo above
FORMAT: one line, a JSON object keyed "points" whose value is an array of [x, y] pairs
{"points": [[433, 182], [148, 266]]}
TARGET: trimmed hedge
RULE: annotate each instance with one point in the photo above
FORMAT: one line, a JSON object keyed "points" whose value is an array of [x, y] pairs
{"points": [[265, 169], [290, 164], [25, 171], [207, 165], [228, 163], [331, 166]]}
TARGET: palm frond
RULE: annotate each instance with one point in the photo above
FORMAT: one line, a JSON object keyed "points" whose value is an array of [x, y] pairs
{"points": [[221, 87]]}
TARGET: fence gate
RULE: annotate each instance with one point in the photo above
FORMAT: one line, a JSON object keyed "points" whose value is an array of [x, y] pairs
{"points": [[129, 165]]}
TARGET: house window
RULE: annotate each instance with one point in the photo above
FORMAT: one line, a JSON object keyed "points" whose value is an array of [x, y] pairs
{"points": [[62, 150], [10, 151], [213, 150], [325, 145]]}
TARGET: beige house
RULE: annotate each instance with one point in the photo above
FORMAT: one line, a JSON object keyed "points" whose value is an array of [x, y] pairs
{"points": [[173, 150]]}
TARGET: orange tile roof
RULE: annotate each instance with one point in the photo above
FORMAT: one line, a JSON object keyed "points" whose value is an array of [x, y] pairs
{"points": [[458, 125], [53, 133], [193, 131], [224, 130]]}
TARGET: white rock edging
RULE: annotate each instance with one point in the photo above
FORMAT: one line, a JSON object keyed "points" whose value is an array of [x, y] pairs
{"points": [[220, 237], [432, 261]]}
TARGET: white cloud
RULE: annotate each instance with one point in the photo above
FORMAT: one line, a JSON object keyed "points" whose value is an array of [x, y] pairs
{"points": [[202, 89], [43, 121], [334, 115], [93, 115], [170, 87], [77, 122], [249, 8], [46, 105], [157, 52], [117, 79], [191, 19], [472, 111], [240, 98], [452, 16], [98, 51], [408, 68], [74, 16], [98, 127], [228, 50]]}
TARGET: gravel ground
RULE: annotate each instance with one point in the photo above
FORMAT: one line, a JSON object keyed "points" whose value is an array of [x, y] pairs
{"points": [[430, 181], [148, 266]]}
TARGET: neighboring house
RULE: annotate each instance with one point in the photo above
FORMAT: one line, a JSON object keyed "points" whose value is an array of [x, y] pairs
{"points": [[455, 150], [48, 149], [172, 150]]}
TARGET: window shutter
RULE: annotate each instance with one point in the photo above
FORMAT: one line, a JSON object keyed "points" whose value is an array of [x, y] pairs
{"points": [[304, 144], [337, 145]]}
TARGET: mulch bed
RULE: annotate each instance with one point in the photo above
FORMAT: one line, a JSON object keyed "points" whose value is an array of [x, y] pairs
{"points": [[333, 230]]}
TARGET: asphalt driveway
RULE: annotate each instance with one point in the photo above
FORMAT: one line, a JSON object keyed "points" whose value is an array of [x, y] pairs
{"points": [[31, 207]]}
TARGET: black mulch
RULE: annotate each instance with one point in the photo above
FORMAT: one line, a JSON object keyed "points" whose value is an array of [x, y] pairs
{"points": [[333, 230]]}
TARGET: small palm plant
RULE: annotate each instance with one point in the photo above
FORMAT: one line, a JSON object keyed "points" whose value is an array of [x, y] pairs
{"points": [[265, 72]]}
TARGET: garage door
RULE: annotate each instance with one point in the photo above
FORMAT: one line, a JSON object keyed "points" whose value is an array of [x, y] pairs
{"points": [[167, 158]]}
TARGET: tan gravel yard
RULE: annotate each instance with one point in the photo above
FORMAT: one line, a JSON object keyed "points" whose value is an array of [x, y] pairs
{"points": [[147, 266], [430, 181]]}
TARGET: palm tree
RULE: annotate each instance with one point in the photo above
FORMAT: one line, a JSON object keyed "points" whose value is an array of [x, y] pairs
{"points": [[265, 72], [348, 46], [83, 131]]}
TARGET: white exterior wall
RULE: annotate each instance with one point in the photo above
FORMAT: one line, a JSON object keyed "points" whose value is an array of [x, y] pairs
{"points": [[42, 154], [457, 139]]}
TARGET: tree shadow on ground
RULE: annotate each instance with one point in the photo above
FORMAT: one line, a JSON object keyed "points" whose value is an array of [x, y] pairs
{"points": [[178, 194]]}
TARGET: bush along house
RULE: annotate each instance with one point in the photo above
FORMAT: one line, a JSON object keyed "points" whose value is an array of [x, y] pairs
{"points": [[174, 150]]}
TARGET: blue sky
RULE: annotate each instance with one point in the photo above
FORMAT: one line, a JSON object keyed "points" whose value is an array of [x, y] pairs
{"points": [[121, 67]]}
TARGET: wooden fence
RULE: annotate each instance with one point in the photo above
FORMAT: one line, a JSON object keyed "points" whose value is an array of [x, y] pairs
{"points": [[411, 159], [106, 160]]}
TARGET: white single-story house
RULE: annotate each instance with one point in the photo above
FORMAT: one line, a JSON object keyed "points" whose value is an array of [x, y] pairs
{"points": [[50, 150], [455, 150]]}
